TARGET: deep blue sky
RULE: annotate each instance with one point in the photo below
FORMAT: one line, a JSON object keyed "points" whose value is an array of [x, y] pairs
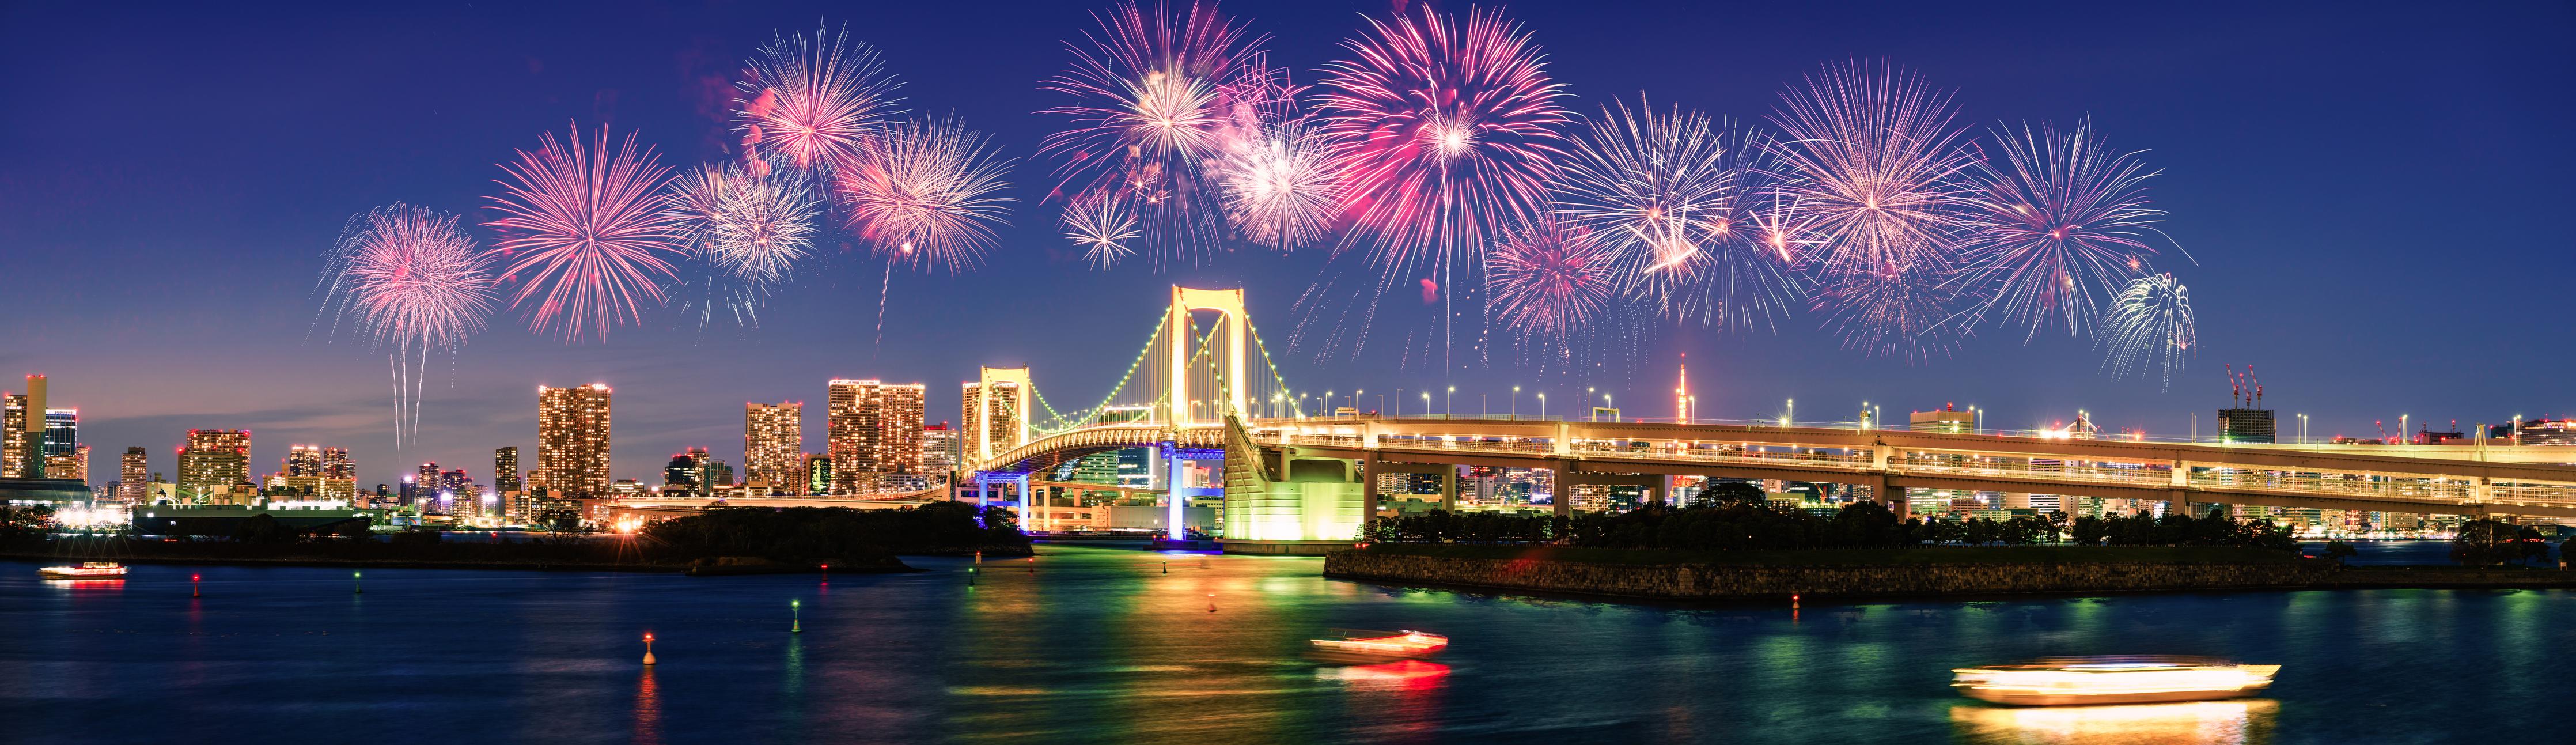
{"points": [[2376, 196]]}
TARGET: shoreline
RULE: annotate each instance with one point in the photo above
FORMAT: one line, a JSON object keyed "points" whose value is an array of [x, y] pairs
{"points": [[1683, 581]]}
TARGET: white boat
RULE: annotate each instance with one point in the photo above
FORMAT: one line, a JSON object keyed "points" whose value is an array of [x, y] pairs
{"points": [[87, 570], [1378, 646], [2139, 679]]}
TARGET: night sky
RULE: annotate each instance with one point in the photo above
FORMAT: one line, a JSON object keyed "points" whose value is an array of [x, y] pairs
{"points": [[2376, 197]]}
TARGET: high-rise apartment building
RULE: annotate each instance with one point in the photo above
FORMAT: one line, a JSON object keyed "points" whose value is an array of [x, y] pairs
{"points": [[773, 446], [573, 439], [339, 475], [132, 478], [462, 499], [214, 458], [875, 432], [22, 442], [505, 469], [301, 460], [65, 458]]}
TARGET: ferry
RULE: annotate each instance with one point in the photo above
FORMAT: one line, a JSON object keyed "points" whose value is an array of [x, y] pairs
{"points": [[87, 570], [1356, 646], [2061, 681]]}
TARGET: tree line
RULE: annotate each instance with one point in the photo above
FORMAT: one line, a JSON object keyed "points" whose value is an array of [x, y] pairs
{"points": [[1736, 525]]}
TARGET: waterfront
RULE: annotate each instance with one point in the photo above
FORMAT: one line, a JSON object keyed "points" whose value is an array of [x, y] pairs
{"points": [[1101, 645]]}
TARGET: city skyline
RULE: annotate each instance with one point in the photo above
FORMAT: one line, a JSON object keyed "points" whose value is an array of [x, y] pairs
{"points": [[2286, 272]]}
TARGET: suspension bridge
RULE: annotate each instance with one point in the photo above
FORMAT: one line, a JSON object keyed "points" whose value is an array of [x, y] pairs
{"points": [[1298, 481]]}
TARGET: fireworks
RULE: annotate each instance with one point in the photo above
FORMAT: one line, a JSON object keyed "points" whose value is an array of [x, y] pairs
{"points": [[1746, 272], [1652, 190], [2059, 223], [1869, 156], [813, 102], [412, 281], [1101, 223], [585, 230], [1280, 189], [1157, 95], [754, 229], [1547, 281], [1444, 132], [926, 192], [2148, 327]]}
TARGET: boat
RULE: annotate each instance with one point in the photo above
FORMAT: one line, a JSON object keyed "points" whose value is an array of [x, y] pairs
{"points": [[87, 570], [2138, 679], [1361, 646]]}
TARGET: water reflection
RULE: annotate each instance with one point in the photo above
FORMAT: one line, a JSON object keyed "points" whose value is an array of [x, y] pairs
{"points": [[648, 709], [2235, 721]]}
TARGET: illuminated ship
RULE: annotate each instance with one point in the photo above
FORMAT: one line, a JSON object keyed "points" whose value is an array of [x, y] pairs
{"points": [[87, 570], [1378, 646], [2060, 681]]}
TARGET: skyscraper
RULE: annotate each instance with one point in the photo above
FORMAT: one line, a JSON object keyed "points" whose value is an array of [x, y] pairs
{"points": [[681, 475], [773, 443], [132, 482], [214, 458], [505, 469], [339, 474], [62, 451], [23, 441], [573, 439], [939, 444], [463, 500], [875, 432], [818, 473]]}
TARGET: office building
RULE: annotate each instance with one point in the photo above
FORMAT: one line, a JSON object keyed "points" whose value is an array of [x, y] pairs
{"points": [[64, 456], [680, 477], [2245, 425], [939, 449], [456, 491], [818, 473], [773, 446], [1948, 418], [717, 475], [875, 432], [132, 481], [573, 440], [22, 441], [505, 470], [214, 460], [339, 475]]}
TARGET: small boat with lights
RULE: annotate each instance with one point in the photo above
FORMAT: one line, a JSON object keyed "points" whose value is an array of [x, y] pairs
{"points": [[2139, 679], [87, 570], [1363, 647]]}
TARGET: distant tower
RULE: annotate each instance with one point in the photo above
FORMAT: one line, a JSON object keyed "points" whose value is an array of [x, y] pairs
{"points": [[1681, 392]]}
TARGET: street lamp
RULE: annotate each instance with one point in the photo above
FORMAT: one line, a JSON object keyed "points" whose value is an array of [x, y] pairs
{"points": [[1542, 411], [1516, 402], [1448, 401], [1426, 403]]}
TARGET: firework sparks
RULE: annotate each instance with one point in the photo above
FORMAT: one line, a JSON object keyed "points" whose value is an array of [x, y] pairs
{"points": [[2148, 327], [411, 281], [1102, 225], [753, 229], [1157, 92], [1547, 281], [1450, 131], [1280, 188], [2060, 222], [927, 193], [1870, 157], [1746, 274], [585, 230], [812, 102], [1653, 190]]}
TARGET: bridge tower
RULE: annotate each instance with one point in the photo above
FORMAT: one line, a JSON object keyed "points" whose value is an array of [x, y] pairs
{"points": [[1178, 336]]}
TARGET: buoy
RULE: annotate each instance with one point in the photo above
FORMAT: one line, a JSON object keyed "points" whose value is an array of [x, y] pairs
{"points": [[648, 647], [356, 581], [970, 576], [192, 587], [979, 557], [1033, 565], [1167, 567], [796, 616], [1211, 602]]}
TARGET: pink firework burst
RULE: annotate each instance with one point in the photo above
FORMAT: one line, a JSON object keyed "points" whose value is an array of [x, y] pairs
{"points": [[1157, 93], [812, 102], [1547, 281], [1280, 187], [2060, 223], [410, 277], [585, 234], [927, 192], [1444, 133], [1869, 155]]}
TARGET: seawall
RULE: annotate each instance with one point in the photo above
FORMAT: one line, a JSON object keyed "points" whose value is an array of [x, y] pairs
{"points": [[1696, 581]]}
